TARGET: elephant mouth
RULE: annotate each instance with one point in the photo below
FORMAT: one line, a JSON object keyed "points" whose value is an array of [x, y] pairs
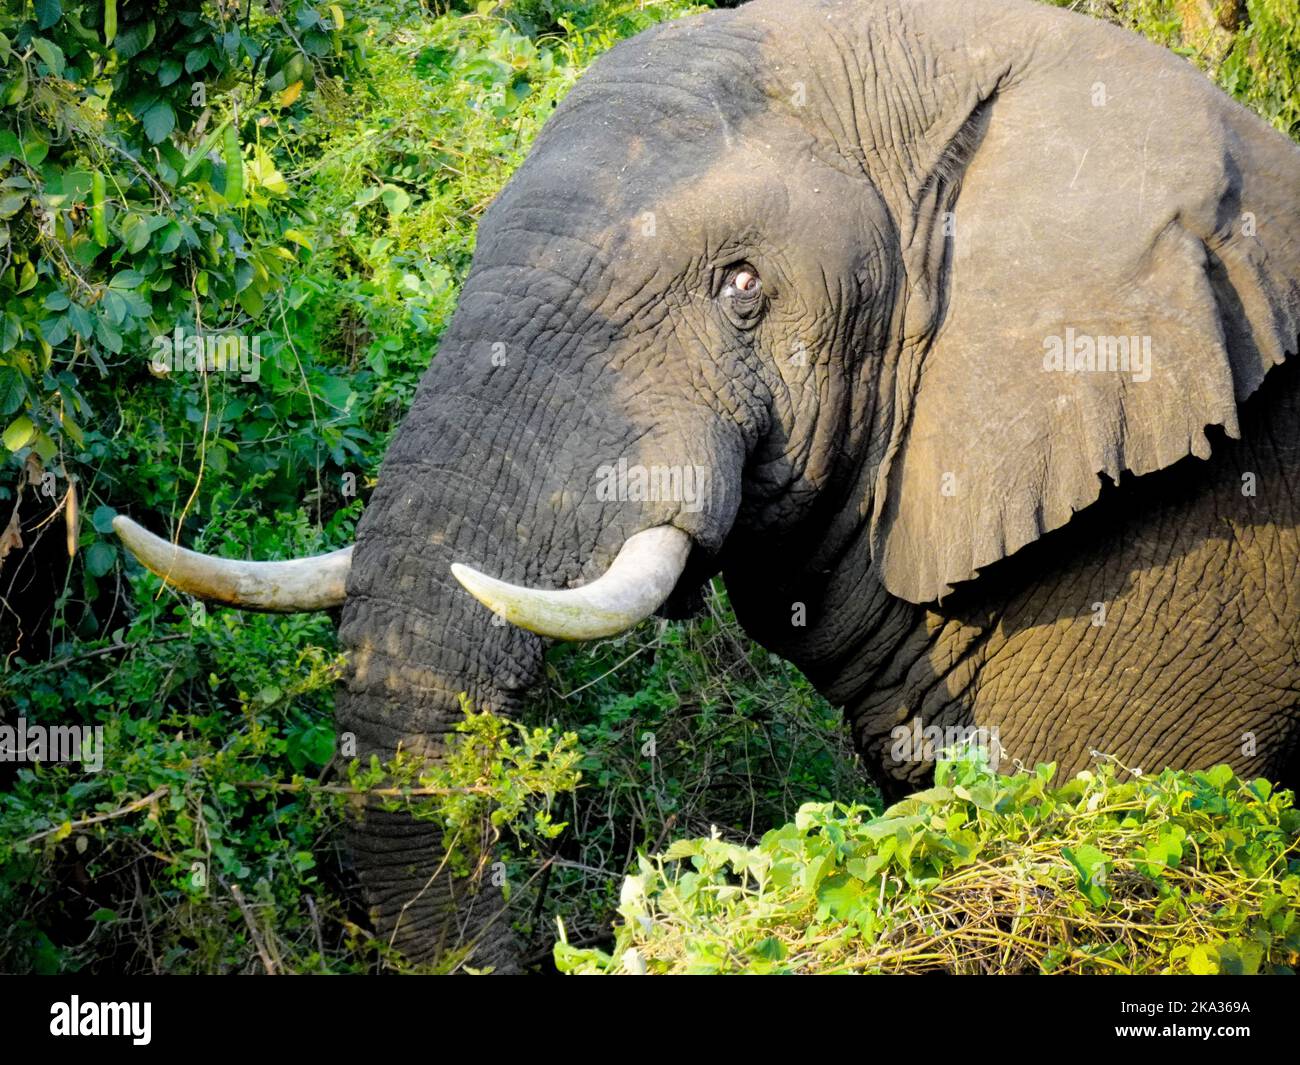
{"points": [[638, 581]]}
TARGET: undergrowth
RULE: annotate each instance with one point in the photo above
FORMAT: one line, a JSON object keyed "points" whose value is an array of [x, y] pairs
{"points": [[1110, 872]]}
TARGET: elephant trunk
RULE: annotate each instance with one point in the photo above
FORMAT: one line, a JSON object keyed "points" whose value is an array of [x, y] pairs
{"points": [[417, 642], [502, 467]]}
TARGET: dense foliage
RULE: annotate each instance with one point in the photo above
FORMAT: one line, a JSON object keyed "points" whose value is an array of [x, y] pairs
{"points": [[1111, 872], [305, 179]]}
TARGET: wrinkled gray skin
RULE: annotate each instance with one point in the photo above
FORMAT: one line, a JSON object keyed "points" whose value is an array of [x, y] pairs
{"points": [[885, 446]]}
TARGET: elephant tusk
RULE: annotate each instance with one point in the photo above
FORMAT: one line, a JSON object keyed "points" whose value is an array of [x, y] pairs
{"points": [[638, 581], [298, 584]]}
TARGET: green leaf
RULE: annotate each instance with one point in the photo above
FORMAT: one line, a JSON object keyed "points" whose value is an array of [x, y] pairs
{"points": [[171, 239], [44, 447], [252, 301], [1091, 865], [109, 337], [314, 744], [159, 120], [769, 949], [51, 53], [868, 869], [1203, 960], [134, 39], [114, 307], [1220, 776], [127, 279], [100, 558], [12, 390], [135, 232], [103, 519], [841, 897], [395, 199], [15, 91], [20, 433], [47, 13], [83, 322]]}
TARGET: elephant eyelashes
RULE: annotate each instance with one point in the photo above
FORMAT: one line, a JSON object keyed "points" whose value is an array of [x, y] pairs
{"points": [[742, 295]]}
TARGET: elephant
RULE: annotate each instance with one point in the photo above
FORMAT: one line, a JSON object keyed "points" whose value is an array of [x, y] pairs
{"points": [[957, 336]]}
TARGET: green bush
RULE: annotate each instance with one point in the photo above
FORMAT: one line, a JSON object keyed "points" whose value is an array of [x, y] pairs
{"points": [[1111, 872]]}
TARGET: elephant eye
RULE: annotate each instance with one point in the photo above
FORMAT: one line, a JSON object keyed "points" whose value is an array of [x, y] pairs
{"points": [[742, 296], [743, 284]]}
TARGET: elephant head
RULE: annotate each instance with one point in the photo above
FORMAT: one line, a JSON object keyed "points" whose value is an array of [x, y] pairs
{"points": [[781, 279]]}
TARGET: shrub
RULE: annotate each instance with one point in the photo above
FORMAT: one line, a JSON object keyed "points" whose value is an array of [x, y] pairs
{"points": [[1111, 872]]}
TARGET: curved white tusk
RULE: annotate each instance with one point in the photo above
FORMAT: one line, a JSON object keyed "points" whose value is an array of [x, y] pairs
{"points": [[299, 584], [638, 581]]}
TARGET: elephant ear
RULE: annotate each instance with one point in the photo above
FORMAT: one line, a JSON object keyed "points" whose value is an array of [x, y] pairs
{"points": [[1109, 192]]}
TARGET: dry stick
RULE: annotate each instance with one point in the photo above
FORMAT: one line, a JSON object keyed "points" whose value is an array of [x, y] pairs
{"points": [[668, 827], [494, 918], [238, 896], [311, 402], [541, 894], [110, 650], [320, 940], [339, 789], [401, 916], [144, 917], [153, 796], [198, 481], [614, 669], [135, 163], [564, 863]]}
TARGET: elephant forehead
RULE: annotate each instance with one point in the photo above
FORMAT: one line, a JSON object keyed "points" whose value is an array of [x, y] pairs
{"points": [[652, 114], [649, 223]]}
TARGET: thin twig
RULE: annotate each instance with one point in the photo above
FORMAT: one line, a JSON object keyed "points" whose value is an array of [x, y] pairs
{"points": [[339, 789], [153, 796], [262, 953], [108, 651]]}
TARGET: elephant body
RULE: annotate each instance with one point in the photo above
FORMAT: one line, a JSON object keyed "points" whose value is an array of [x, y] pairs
{"points": [[1161, 627], [978, 318]]}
